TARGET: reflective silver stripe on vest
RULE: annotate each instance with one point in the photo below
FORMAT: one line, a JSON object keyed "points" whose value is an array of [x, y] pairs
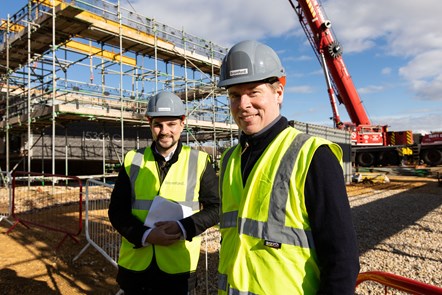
{"points": [[224, 166], [282, 234], [142, 204], [228, 219], [191, 181], [274, 229], [222, 282], [135, 169], [191, 175], [237, 292], [223, 285]]}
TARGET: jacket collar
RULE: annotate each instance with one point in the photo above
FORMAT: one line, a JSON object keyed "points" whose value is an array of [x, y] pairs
{"points": [[159, 158], [265, 136]]}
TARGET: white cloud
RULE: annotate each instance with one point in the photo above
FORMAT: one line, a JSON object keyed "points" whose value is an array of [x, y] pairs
{"points": [[406, 25], [386, 71], [299, 89], [418, 123], [370, 89], [424, 74], [222, 22], [297, 58], [404, 28]]}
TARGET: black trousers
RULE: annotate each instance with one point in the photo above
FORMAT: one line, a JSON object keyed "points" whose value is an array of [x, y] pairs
{"points": [[154, 281]]}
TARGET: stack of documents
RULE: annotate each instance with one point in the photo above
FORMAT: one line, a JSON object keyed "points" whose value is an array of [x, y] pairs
{"points": [[163, 209]]}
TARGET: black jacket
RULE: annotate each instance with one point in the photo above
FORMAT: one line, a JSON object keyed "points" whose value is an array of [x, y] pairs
{"points": [[120, 215], [327, 207]]}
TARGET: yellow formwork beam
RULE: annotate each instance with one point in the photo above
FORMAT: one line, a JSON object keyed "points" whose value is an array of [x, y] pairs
{"points": [[48, 3], [92, 50], [12, 27], [113, 26], [16, 27], [135, 34]]}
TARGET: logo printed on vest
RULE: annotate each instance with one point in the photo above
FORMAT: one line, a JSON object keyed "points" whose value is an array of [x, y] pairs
{"points": [[271, 244], [174, 182]]}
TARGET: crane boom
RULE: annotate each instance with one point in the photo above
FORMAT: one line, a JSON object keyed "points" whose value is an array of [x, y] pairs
{"points": [[327, 48], [371, 145]]}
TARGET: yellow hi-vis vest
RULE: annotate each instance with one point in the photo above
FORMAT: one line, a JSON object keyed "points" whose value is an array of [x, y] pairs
{"points": [[267, 246], [181, 185]]}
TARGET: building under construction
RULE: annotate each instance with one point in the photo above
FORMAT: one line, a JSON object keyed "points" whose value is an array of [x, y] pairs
{"points": [[76, 77]]}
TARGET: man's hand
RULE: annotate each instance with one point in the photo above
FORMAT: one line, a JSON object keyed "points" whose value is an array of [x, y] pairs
{"points": [[164, 233]]}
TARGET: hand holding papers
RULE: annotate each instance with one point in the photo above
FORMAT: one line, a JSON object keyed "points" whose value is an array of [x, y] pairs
{"points": [[164, 210]]}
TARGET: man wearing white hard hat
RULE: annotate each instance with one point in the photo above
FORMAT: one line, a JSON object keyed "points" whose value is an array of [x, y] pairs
{"points": [[160, 256]]}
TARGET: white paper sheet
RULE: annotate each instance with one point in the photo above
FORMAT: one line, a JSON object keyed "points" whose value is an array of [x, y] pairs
{"points": [[164, 210]]}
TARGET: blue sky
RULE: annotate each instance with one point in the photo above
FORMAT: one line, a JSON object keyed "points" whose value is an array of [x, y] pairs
{"points": [[392, 49]]}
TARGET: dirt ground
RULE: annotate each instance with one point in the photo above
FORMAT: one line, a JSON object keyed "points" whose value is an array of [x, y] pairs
{"points": [[31, 264]]}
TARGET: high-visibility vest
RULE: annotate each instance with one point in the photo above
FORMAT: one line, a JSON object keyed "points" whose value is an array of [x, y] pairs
{"points": [[181, 185], [267, 245]]}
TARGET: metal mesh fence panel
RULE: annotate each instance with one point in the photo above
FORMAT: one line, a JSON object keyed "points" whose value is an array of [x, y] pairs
{"points": [[98, 229], [5, 196], [50, 201]]}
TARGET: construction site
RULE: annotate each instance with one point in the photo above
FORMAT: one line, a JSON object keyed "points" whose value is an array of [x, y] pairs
{"points": [[76, 77], [75, 80]]}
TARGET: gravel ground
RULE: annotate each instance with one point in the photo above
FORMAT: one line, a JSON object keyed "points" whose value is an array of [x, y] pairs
{"points": [[399, 228]]}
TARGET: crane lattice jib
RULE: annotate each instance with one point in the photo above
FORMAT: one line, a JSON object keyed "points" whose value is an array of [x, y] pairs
{"points": [[320, 36]]}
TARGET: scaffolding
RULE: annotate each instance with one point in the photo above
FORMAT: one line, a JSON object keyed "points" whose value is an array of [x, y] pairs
{"points": [[75, 77]]}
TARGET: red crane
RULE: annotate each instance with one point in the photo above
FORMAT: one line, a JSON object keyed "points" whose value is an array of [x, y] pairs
{"points": [[372, 145], [339, 83]]}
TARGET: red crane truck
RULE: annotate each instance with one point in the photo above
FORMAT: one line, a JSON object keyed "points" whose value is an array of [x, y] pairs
{"points": [[372, 145]]}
